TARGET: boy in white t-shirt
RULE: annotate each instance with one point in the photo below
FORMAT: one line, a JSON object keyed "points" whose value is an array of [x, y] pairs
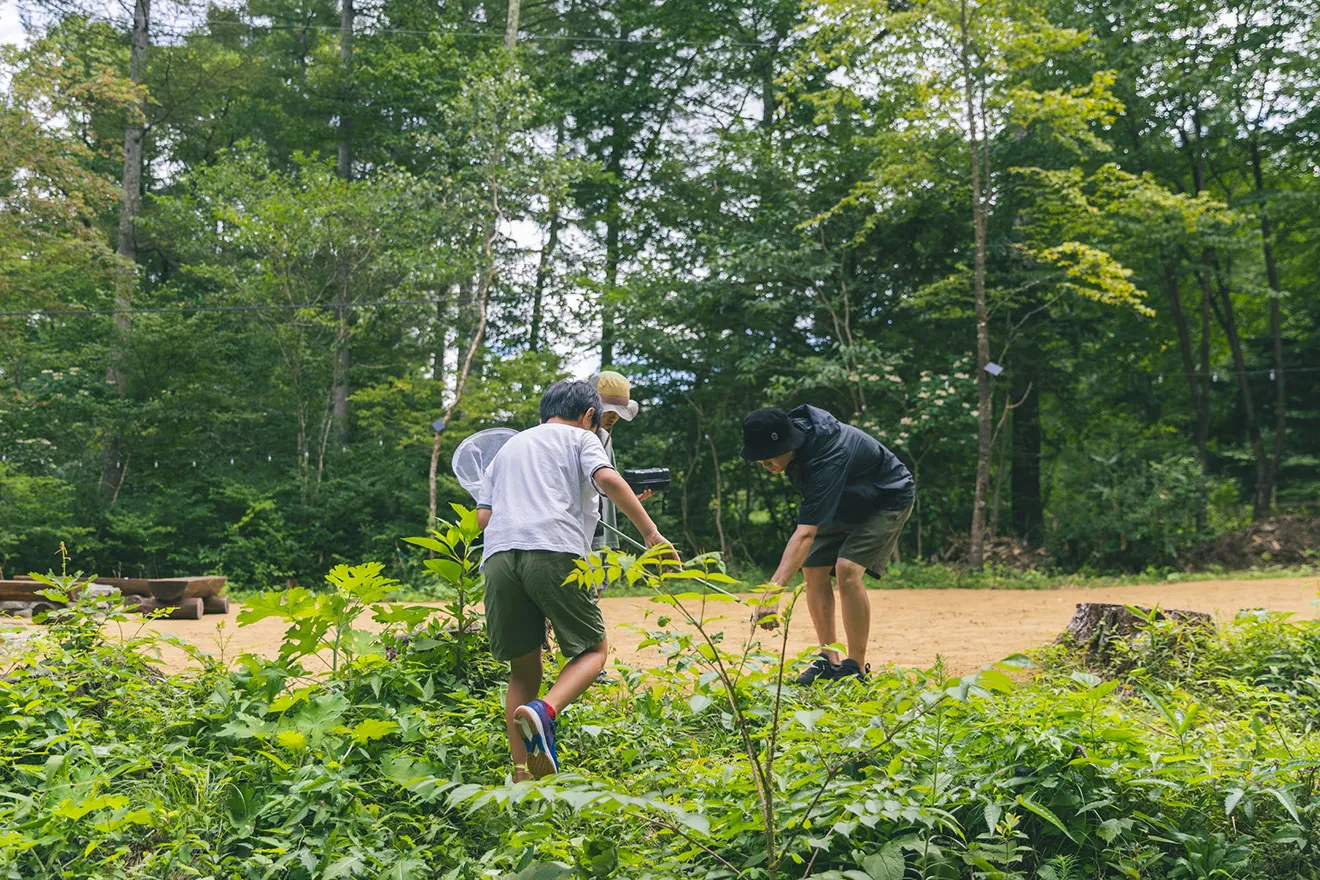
{"points": [[537, 506]]}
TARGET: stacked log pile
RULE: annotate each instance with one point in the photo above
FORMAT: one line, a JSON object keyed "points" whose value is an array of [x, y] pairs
{"points": [[183, 598]]}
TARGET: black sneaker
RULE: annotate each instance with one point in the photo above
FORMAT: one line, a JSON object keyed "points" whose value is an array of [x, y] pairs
{"points": [[821, 668], [849, 667]]}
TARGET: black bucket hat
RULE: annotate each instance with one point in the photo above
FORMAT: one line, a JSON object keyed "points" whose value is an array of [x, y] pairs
{"points": [[768, 433]]}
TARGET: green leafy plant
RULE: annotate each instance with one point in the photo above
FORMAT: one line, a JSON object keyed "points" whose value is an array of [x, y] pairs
{"points": [[455, 564]]}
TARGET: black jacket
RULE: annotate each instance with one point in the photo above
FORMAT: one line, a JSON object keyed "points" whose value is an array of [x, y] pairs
{"points": [[844, 474]]}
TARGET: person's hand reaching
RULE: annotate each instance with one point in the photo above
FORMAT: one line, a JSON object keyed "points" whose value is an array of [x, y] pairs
{"points": [[669, 552]]}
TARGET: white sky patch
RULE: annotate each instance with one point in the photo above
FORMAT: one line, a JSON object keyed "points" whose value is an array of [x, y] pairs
{"points": [[11, 29]]}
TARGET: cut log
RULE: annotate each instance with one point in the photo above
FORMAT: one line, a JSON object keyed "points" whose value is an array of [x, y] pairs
{"points": [[127, 586], [22, 591], [215, 605], [183, 609], [171, 589], [1095, 626]]}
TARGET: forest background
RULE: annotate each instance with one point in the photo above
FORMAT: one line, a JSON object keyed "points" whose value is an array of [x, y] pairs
{"points": [[253, 252]]}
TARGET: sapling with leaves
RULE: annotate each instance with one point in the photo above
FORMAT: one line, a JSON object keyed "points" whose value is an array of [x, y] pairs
{"points": [[745, 675], [323, 623], [457, 566]]}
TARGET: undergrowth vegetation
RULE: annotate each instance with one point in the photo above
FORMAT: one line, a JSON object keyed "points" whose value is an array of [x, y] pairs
{"points": [[378, 751]]}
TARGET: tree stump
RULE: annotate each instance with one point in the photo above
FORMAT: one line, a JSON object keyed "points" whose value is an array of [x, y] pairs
{"points": [[1095, 626]]}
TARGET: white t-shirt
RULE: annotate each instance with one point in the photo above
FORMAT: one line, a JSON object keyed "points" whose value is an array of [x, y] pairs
{"points": [[540, 491]]}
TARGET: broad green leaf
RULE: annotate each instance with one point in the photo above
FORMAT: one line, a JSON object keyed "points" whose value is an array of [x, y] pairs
{"points": [[1286, 799], [1046, 814], [246, 727], [695, 821], [429, 544], [410, 615], [1088, 679], [994, 680], [888, 864], [449, 570], [1109, 830], [294, 740], [371, 729], [351, 865], [808, 717], [1116, 734], [541, 871], [286, 604]]}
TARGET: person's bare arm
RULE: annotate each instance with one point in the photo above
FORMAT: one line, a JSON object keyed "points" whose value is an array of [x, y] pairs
{"points": [[617, 490], [795, 553], [483, 517]]}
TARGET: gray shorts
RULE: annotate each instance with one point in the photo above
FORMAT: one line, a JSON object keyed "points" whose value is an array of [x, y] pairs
{"points": [[868, 543]]}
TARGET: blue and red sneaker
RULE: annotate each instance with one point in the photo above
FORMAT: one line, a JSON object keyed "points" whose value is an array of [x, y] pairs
{"points": [[538, 735]]}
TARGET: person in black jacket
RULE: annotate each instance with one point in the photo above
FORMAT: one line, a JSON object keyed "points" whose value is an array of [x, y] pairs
{"points": [[856, 496]]}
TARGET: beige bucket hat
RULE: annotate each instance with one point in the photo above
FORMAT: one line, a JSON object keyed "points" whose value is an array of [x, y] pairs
{"points": [[615, 394]]}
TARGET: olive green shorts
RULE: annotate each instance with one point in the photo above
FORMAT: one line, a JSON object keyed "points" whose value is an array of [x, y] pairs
{"points": [[868, 543], [524, 589]]}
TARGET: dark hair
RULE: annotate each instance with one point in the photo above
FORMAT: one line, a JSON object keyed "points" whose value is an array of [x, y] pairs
{"points": [[569, 399]]}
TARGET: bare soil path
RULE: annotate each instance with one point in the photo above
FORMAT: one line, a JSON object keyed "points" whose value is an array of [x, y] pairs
{"points": [[968, 628]]}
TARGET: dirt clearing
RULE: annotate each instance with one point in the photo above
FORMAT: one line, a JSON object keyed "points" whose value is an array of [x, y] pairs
{"points": [[968, 628]]}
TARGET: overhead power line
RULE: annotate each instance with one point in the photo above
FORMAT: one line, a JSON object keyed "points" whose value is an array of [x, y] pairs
{"points": [[499, 35], [264, 307], [215, 30]]}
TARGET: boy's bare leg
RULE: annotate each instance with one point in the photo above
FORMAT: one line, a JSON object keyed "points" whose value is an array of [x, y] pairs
{"points": [[856, 608], [577, 675], [820, 603], [524, 686]]}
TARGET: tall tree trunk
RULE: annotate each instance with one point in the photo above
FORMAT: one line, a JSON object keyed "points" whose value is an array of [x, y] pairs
{"points": [[511, 25], [114, 459], [543, 275], [984, 413], [1207, 260], [547, 254], [1185, 348], [1203, 399], [1276, 319], [1260, 507], [1001, 473], [439, 342], [487, 280], [607, 333], [916, 511], [344, 166], [614, 167], [719, 498], [1028, 511]]}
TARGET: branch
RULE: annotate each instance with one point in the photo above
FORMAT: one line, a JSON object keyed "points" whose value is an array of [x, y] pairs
{"points": [[670, 826], [1009, 407], [838, 766]]}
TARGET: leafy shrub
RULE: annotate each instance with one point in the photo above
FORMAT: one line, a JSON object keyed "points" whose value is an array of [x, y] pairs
{"points": [[1124, 510], [36, 514], [388, 758]]}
